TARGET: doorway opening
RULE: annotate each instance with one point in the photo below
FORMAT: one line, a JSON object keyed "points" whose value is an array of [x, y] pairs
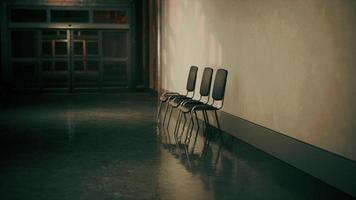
{"points": [[75, 47]]}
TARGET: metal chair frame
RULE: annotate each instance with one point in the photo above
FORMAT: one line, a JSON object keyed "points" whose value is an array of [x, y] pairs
{"points": [[196, 108], [191, 80], [204, 94]]}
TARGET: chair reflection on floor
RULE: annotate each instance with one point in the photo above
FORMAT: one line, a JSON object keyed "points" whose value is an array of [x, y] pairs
{"points": [[194, 154]]}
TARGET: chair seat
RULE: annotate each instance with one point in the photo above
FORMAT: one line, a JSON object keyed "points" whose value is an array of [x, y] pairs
{"points": [[165, 97], [177, 101], [197, 106]]}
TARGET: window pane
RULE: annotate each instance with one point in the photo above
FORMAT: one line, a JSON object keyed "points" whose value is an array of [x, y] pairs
{"points": [[47, 66], [52, 34], [62, 33], [60, 66], [61, 48], [115, 71], [48, 33], [92, 65], [47, 48], [24, 44], [25, 15], [79, 65], [78, 48], [115, 44], [92, 48], [112, 17], [70, 16]]}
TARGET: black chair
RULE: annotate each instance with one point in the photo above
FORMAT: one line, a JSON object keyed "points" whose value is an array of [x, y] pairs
{"points": [[204, 95], [190, 87], [217, 96]]}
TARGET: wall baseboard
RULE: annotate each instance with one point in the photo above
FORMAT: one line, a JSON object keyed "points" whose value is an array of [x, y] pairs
{"points": [[331, 168]]}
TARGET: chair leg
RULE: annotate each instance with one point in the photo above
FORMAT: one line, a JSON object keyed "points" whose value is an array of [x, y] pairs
{"points": [[181, 134], [169, 115], [159, 110], [205, 122], [177, 123], [197, 120], [217, 119], [188, 131], [195, 139], [207, 117], [165, 112]]}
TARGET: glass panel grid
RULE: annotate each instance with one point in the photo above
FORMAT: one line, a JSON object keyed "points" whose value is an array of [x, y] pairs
{"points": [[74, 16], [28, 15], [110, 17], [24, 44]]}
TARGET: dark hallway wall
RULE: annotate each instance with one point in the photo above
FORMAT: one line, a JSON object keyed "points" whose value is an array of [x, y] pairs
{"points": [[0, 60], [154, 37]]}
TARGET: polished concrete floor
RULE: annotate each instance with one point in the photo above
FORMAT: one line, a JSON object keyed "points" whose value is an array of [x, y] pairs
{"points": [[109, 146]]}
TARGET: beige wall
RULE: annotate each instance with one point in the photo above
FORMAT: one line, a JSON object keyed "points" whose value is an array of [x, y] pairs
{"points": [[292, 64]]}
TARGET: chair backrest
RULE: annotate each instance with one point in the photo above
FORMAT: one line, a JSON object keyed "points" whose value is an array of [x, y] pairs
{"points": [[192, 77], [206, 81], [219, 85]]}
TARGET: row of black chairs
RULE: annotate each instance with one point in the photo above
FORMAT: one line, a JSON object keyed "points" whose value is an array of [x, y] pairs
{"points": [[189, 104]]}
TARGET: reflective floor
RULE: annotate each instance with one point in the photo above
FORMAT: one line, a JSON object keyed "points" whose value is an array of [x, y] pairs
{"points": [[109, 146]]}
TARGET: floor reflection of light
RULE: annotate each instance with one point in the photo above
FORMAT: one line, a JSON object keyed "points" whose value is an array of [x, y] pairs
{"points": [[70, 126], [178, 183]]}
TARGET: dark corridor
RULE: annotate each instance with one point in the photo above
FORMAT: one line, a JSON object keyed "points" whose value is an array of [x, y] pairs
{"points": [[81, 46], [78, 85]]}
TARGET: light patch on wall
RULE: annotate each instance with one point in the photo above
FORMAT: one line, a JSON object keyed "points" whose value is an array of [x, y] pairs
{"points": [[290, 62], [175, 16]]}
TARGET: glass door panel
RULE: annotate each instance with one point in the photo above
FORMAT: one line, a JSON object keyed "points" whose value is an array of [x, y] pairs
{"points": [[80, 59], [55, 71], [115, 58], [85, 59], [24, 58]]}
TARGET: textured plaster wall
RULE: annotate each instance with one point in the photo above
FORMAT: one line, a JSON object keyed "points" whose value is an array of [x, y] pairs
{"points": [[292, 64]]}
